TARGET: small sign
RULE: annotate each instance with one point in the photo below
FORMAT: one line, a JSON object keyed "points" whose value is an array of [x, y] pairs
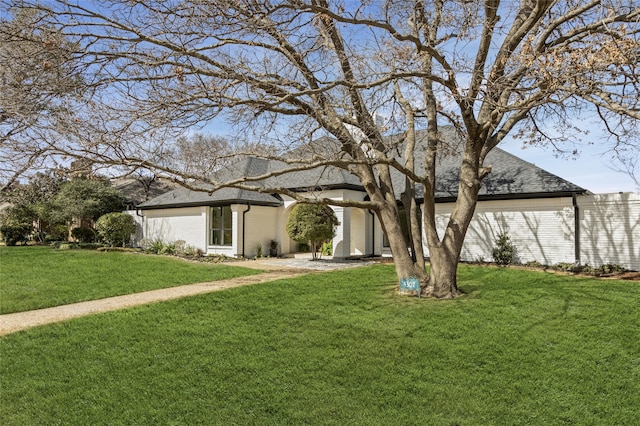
{"points": [[410, 283]]}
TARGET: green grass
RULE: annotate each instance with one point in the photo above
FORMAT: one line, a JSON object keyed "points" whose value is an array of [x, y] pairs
{"points": [[41, 277], [341, 348]]}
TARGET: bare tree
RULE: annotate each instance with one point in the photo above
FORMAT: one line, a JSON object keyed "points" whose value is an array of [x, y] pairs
{"points": [[292, 71], [38, 80]]}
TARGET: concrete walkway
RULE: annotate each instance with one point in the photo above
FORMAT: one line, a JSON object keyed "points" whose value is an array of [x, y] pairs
{"points": [[275, 269]]}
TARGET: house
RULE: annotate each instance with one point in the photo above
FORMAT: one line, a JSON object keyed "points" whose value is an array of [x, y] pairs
{"points": [[549, 219]]}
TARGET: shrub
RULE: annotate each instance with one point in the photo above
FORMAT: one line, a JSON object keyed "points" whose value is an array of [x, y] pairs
{"points": [[327, 248], [607, 268], [90, 246], [567, 267], [504, 254], [258, 247], [12, 234], [314, 223], [83, 234], [119, 249], [116, 228], [154, 246], [58, 232], [273, 248], [192, 251], [180, 245], [158, 246], [168, 248], [612, 268]]}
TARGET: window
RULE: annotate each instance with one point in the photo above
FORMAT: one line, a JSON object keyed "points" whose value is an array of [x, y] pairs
{"points": [[221, 231]]}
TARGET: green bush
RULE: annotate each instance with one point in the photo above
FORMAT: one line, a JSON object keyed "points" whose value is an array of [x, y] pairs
{"points": [[313, 223], [119, 249], [116, 228], [12, 234], [273, 248], [57, 232], [505, 252], [89, 246], [158, 246], [83, 234], [327, 248]]}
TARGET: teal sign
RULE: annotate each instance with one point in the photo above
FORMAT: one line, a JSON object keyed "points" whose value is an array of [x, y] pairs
{"points": [[410, 283]]}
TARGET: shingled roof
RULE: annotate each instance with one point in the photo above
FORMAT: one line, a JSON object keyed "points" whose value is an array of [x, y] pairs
{"points": [[510, 178], [183, 197]]}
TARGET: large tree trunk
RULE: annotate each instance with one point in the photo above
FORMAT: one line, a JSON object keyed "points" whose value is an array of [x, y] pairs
{"points": [[445, 254], [443, 281], [406, 267]]}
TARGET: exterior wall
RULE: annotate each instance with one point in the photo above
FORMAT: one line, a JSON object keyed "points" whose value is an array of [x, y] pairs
{"points": [[139, 221], [188, 224], [359, 229], [261, 227], [251, 225], [610, 229], [543, 230], [353, 234]]}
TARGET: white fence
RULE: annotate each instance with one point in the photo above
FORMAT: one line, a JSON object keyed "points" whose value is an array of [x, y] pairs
{"points": [[546, 230]]}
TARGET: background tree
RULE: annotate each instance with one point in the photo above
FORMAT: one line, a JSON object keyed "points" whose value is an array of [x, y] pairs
{"points": [[86, 199], [32, 204], [312, 223], [287, 72]]}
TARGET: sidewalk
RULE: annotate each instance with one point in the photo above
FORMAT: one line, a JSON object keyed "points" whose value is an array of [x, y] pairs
{"points": [[275, 269]]}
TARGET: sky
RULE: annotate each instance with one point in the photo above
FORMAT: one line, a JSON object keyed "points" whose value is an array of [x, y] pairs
{"points": [[592, 170]]}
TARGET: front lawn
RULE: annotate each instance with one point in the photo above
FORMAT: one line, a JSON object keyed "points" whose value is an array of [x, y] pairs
{"points": [[341, 348], [41, 277]]}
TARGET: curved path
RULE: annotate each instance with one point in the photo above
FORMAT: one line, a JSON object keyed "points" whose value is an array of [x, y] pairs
{"points": [[274, 270]]}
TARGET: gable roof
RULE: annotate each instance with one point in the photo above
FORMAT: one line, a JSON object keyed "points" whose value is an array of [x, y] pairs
{"points": [[510, 177]]}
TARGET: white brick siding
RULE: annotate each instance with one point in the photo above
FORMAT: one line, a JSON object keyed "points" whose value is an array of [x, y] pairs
{"points": [[188, 224]]}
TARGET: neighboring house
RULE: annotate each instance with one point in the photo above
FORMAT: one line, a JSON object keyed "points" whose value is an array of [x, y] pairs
{"points": [[536, 208]]}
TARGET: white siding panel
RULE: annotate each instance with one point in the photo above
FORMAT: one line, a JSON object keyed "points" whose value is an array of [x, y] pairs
{"points": [[610, 229], [543, 230]]}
